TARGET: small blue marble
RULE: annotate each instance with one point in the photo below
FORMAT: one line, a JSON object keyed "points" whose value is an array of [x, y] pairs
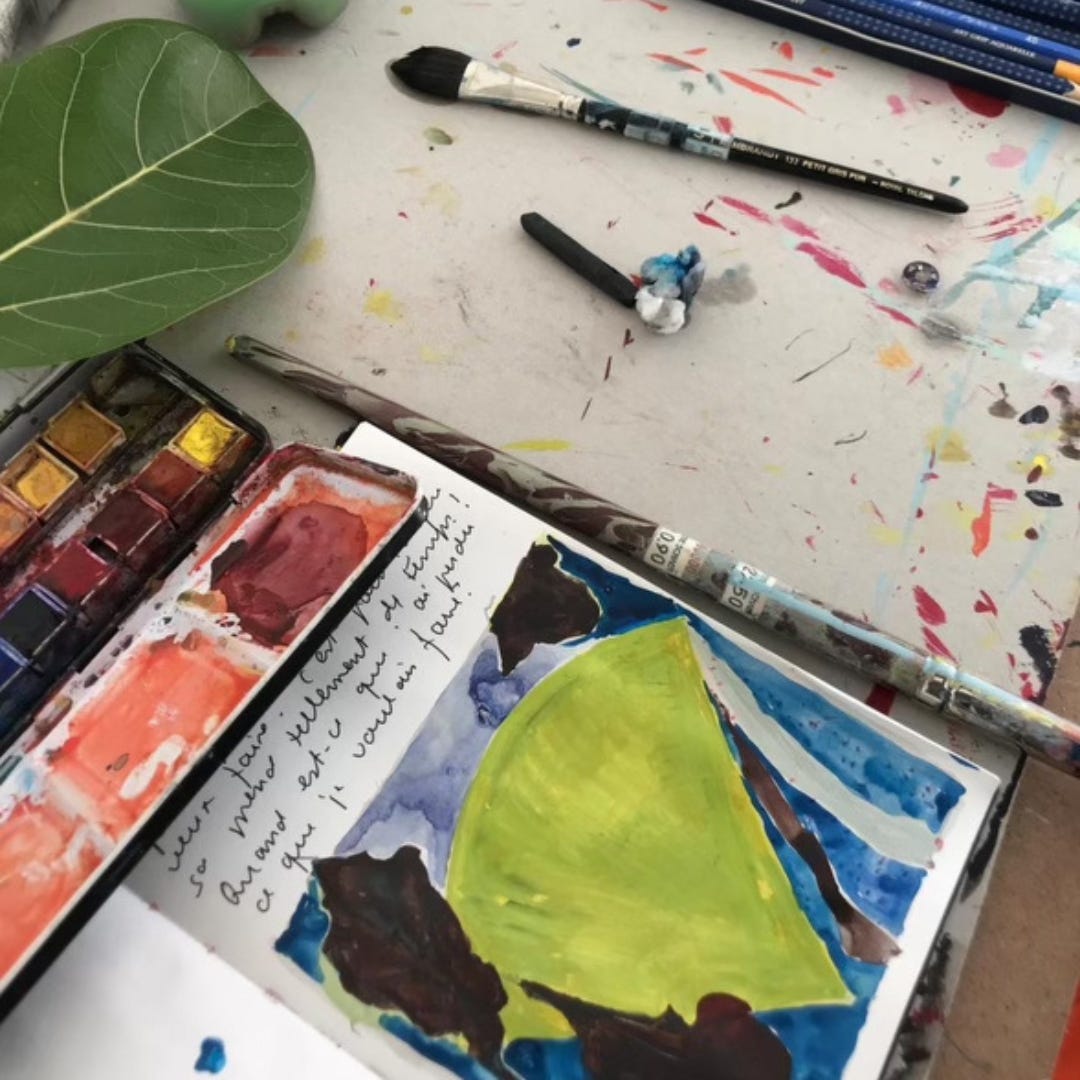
{"points": [[211, 1056], [921, 277]]}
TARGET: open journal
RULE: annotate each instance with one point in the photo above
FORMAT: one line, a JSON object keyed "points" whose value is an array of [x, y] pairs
{"points": [[525, 815]]}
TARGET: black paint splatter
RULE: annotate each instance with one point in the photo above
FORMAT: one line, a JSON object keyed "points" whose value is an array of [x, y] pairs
{"points": [[1038, 415], [795, 197], [573, 43], [1036, 643], [1002, 408], [1044, 498]]}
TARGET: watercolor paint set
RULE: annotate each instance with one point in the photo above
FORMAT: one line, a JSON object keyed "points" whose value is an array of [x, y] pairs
{"points": [[166, 576]]}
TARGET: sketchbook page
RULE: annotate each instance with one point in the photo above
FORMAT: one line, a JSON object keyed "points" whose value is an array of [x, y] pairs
{"points": [[524, 810], [135, 997]]}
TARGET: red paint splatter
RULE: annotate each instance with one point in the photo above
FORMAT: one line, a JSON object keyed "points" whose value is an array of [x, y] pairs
{"points": [[1000, 220], [832, 263], [799, 228], [675, 61], [1035, 475], [930, 611], [920, 513], [985, 604], [896, 316], [882, 698], [977, 102], [401, 214], [1027, 691], [628, 339], [1032, 533], [916, 375], [928, 476], [746, 208], [896, 105], [723, 123], [766, 439], [607, 369], [1012, 660], [825, 73], [854, 479], [758, 88], [269, 50], [936, 645], [877, 512], [638, 280], [710, 221], [498, 54], [776, 73], [701, 50], [888, 285], [786, 50], [811, 542], [982, 526]]}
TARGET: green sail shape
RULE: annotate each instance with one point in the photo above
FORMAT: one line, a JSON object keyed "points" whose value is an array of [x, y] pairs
{"points": [[608, 849]]}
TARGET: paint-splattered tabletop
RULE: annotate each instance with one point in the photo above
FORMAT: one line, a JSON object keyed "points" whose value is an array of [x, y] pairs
{"points": [[804, 422]]}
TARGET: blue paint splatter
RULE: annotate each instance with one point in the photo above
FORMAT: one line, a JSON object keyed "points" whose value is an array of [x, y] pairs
{"points": [[211, 1056], [546, 1059], [440, 1051], [302, 939]]}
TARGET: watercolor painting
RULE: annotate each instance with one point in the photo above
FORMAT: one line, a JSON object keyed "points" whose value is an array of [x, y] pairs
{"points": [[620, 845]]}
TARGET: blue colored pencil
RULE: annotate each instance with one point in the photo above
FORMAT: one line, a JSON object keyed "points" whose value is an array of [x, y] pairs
{"points": [[924, 17], [1064, 11], [1042, 45], [1007, 17], [893, 34]]}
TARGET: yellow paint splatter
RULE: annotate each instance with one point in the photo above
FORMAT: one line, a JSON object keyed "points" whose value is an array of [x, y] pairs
{"points": [[406, 9], [432, 356], [444, 198], [1046, 207], [884, 534], [947, 444], [895, 358], [765, 890], [774, 470], [313, 251], [550, 445], [292, 335], [384, 305]]}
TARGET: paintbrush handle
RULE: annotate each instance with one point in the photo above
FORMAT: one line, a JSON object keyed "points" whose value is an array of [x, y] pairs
{"points": [[663, 131], [738, 586]]}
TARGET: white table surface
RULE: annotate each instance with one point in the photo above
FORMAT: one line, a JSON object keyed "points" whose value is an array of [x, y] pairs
{"points": [[856, 483]]}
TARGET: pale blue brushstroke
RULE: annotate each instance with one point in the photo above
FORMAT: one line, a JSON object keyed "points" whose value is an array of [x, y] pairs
{"points": [[580, 87], [1040, 152]]}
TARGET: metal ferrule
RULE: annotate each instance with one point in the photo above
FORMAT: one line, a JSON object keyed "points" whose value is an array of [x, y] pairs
{"points": [[491, 85]]}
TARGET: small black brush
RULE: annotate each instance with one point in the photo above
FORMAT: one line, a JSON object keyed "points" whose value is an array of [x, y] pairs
{"points": [[455, 76]]}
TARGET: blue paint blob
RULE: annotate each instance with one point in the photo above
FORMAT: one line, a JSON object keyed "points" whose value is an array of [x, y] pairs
{"points": [[211, 1056], [302, 939], [675, 277], [546, 1059], [440, 1051]]}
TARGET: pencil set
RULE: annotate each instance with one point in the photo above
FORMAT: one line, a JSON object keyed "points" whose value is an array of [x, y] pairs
{"points": [[1026, 51]]}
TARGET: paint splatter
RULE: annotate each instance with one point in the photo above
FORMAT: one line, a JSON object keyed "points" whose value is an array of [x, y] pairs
{"points": [[538, 445], [790, 76], [313, 251], [977, 102], [881, 698], [824, 73], [832, 263], [947, 444], [687, 87], [1002, 408], [1069, 422], [936, 645], [276, 52], [437, 137], [786, 50], [799, 228], [896, 105], [714, 81], [384, 305], [501, 52], [791, 200], [1037, 415], [746, 208], [211, 1057], [985, 604], [723, 124], [895, 358], [1007, 157], [1044, 498], [711, 222], [930, 611], [982, 526], [573, 43], [444, 198], [675, 63], [1036, 643], [760, 89], [734, 286]]}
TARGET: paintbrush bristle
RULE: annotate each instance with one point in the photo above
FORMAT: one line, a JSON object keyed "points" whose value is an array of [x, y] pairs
{"points": [[433, 70]]}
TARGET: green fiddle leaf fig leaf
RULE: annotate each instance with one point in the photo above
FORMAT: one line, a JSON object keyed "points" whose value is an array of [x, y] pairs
{"points": [[144, 174]]}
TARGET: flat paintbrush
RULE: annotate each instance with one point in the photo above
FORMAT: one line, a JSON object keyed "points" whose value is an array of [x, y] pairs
{"points": [[456, 76]]}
